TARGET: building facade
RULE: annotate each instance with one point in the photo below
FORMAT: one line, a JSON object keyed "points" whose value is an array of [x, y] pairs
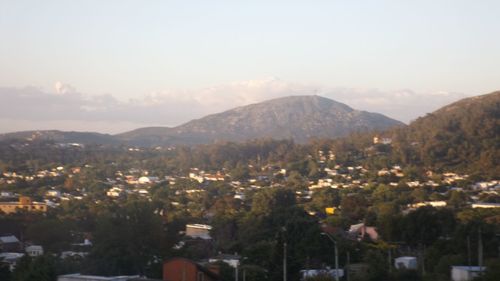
{"points": [[181, 269], [25, 203]]}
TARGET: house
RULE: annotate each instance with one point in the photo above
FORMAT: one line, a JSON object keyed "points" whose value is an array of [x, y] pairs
{"points": [[381, 140], [115, 192], [73, 255], [147, 180], [405, 263], [181, 269], [196, 177], [357, 270], [24, 203], [360, 231], [53, 193], [34, 250], [435, 204], [11, 259], [198, 231], [485, 205], [330, 210], [6, 194], [413, 183], [240, 196], [466, 273], [310, 273], [79, 277], [383, 172], [231, 260], [214, 177], [10, 244]]}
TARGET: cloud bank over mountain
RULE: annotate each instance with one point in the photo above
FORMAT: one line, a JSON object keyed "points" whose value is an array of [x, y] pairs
{"points": [[66, 109]]}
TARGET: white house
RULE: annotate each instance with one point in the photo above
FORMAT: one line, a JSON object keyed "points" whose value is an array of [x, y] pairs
{"points": [[405, 263], [309, 273], [486, 205], [11, 259], [465, 273], [381, 140], [53, 193], [196, 177], [147, 180], [434, 204], [198, 231], [231, 260], [115, 192], [34, 250]]}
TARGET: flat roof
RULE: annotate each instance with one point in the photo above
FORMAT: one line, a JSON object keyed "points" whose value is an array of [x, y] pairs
{"points": [[78, 276], [469, 268]]}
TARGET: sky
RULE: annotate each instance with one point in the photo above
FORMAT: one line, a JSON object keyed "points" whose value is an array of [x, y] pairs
{"points": [[111, 66]]}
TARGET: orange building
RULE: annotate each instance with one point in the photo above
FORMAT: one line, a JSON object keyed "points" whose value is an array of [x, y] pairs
{"points": [[24, 203], [181, 269]]}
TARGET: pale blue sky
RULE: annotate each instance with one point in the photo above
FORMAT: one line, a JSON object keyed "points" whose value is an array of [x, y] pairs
{"points": [[130, 49]]}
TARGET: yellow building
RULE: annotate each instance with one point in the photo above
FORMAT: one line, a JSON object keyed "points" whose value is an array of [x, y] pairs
{"points": [[24, 203], [330, 210]]}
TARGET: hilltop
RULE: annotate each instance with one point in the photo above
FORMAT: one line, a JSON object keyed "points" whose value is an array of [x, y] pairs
{"points": [[296, 117]]}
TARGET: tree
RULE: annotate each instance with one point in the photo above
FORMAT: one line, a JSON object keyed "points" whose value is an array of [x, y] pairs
{"points": [[354, 207], [240, 172], [457, 199], [324, 198], [41, 268], [52, 234], [377, 266], [127, 240], [4, 271], [492, 272], [426, 224], [268, 200], [383, 193]]}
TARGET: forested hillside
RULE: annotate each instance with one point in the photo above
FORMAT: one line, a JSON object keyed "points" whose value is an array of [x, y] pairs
{"points": [[464, 135]]}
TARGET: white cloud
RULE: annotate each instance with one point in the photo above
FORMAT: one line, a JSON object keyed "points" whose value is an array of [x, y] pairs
{"points": [[173, 107], [404, 105], [62, 89]]}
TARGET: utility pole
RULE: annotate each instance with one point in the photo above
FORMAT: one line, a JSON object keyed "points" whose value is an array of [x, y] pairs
{"points": [[480, 251], [423, 257], [389, 258], [336, 255], [284, 261], [336, 262], [468, 251], [236, 273], [347, 267]]}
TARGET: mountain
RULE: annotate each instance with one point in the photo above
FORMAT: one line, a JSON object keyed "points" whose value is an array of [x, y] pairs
{"points": [[61, 137], [464, 135], [296, 117]]}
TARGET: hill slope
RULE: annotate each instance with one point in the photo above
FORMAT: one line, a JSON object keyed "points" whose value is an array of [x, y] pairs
{"points": [[464, 135], [61, 137], [297, 117]]}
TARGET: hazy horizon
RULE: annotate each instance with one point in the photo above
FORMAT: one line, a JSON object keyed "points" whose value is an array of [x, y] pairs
{"points": [[68, 110]]}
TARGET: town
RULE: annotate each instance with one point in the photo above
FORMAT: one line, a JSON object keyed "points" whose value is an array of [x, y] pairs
{"points": [[135, 212]]}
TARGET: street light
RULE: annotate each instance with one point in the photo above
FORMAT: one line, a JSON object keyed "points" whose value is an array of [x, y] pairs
{"points": [[336, 254]]}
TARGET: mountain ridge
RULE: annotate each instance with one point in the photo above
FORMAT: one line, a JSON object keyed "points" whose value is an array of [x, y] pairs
{"points": [[294, 117]]}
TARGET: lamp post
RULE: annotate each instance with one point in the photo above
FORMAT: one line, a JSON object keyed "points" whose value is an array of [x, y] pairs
{"points": [[336, 254]]}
